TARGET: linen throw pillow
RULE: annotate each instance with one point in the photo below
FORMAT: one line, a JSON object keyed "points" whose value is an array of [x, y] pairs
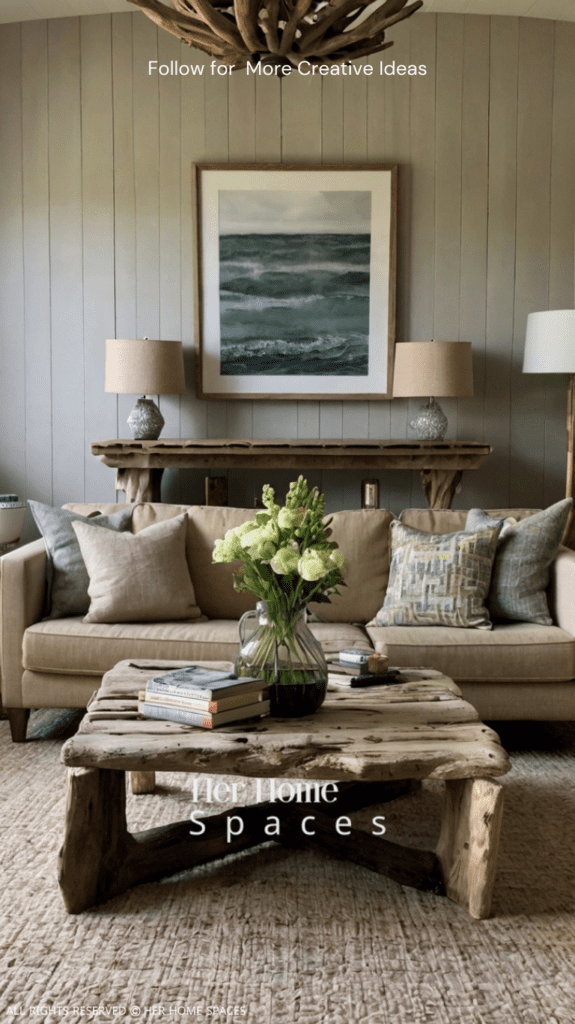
{"points": [[521, 571], [67, 576], [141, 577], [438, 579]]}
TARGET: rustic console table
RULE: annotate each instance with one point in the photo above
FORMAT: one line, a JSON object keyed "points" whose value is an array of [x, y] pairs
{"points": [[140, 464]]}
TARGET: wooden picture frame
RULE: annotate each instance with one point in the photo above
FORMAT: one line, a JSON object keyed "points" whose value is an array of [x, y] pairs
{"points": [[295, 280]]}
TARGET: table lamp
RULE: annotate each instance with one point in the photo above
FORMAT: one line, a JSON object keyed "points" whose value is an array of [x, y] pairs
{"points": [[141, 366], [436, 368], [550, 348]]}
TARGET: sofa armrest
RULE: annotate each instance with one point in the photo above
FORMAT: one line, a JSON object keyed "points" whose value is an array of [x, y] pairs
{"points": [[562, 590], [22, 592]]}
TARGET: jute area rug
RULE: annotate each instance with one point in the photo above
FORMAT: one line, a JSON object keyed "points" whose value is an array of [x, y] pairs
{"points": [[286, 937]]}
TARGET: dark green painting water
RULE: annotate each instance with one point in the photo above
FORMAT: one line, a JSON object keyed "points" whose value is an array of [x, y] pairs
{"points": [[294, 304]]}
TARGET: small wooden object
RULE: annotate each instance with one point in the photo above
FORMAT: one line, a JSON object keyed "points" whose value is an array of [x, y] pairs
{"points": [[216, 490], [371, 738]]}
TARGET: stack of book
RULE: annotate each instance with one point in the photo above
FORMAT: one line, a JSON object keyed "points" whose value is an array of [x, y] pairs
{"points": [[355, 668], [204, 697]]}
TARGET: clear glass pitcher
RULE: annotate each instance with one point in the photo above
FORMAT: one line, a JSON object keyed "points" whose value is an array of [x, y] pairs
{"points": [[288, 658]]}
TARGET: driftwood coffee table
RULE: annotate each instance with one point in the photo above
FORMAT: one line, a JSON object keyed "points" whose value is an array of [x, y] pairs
{"points": [[375, 743]]}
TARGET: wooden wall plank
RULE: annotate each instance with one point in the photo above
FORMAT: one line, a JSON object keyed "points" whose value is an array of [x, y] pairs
{"points": [[473, 264], [67, 300], [355, 418], [532, 251], [422, 131], [449, 85], [193, 411], [395, 488], [12, 352], [36, 207], [561, 268], [147, 179], [124, 196], [98, 241], [170, 319], [495, 473], [242, 148], [331, 413]]}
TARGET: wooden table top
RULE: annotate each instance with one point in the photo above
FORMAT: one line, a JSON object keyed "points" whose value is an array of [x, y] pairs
{"points": [[419, 729], [334, 453]]}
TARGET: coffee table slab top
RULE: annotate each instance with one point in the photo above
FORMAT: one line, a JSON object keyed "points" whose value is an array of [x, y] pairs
{"points": [[421, 728]]}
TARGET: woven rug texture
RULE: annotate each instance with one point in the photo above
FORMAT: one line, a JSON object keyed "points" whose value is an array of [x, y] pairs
{"points": [[277, 936]]}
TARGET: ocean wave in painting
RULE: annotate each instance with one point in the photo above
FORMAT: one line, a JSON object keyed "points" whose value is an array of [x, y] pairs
{"points": [[294, 304]]}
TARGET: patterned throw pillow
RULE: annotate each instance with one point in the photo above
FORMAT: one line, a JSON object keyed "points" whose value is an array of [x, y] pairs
{"points": [[438, 579], [67, 576], [525, 552]]}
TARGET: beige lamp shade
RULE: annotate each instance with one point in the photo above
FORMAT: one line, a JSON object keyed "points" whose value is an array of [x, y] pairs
{"points": [[550, 342], [433, 368], [141, 366]]}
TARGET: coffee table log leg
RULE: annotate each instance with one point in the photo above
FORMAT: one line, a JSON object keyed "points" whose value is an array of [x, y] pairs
{"points": [[142, 782], [96, 839], [439, 486], [467, 848]]}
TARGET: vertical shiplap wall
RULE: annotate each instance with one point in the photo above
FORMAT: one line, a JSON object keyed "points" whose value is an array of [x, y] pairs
{"points": [[96, 237]]}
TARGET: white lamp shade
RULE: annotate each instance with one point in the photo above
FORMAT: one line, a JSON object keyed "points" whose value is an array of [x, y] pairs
{"points": [[140, 366], [433, 369], [550, 342]]}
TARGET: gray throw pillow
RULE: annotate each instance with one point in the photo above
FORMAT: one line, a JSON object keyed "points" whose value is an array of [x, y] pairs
{"points": [[67, 576], [521, 570]]}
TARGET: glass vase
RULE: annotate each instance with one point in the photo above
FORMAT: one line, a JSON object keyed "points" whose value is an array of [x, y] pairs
{"points": [[285, 653]]}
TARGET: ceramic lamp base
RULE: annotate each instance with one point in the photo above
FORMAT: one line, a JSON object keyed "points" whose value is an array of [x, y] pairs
{"points": [[431, 423], [145, 420]]}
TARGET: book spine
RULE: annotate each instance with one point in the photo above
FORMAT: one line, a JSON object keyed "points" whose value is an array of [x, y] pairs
{"points": [[206, 721], [212, 706], [162, 712]]}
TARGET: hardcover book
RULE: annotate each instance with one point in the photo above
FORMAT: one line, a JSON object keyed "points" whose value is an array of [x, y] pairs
{"points": [[201, 704], [203, 718], [203, 683]]}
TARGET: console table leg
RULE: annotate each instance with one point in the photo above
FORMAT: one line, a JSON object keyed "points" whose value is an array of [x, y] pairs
{"points": [[140, 484], [439, 486], [467, 848]]}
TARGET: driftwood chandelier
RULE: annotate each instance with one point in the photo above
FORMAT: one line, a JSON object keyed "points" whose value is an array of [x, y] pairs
{"points": [[281, 32]]}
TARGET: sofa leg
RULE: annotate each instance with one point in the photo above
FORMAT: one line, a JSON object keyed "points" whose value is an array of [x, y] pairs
{"points": [[18, 718]]}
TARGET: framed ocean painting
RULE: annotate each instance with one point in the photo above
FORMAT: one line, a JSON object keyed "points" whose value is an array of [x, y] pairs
{"points": [[295, 280]]}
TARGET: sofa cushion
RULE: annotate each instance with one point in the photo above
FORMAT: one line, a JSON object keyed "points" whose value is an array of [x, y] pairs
{"points": [[140, 577], [74, 647], [509, 652], [438, 579], [67, 576], [521, 570], [448, 520], [363, 537]]}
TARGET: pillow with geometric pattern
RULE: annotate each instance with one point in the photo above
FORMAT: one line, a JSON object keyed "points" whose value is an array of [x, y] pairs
{"points": [[438, 579], [522, 566]]}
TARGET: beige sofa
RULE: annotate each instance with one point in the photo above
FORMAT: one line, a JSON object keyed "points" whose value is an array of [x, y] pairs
{"points": [[514, 671]]}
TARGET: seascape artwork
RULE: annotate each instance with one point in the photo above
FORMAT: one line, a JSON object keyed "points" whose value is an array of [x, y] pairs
{"points": [[294, 278]]}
